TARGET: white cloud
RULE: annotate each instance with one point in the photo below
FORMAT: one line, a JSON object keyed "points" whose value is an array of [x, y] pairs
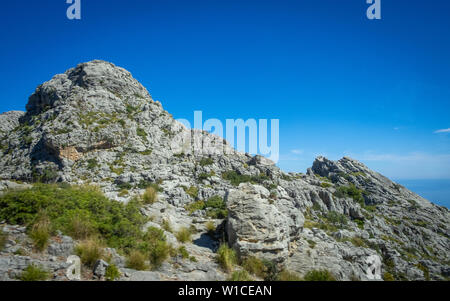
{"points": [[442, 131], [297, 151]]}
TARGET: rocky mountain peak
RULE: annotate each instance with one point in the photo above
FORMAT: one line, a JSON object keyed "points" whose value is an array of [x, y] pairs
{"points": [[91, 79], [95, 124]]}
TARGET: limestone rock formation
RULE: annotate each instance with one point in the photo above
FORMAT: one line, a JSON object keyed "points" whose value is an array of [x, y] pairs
{"points": [[96, 124]]}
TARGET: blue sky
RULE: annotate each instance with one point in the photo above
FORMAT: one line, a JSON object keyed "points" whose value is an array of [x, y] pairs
{"points": [[339, 83]]}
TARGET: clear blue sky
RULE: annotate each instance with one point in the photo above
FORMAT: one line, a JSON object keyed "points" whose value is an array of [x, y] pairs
{"points": [[339, 83]]}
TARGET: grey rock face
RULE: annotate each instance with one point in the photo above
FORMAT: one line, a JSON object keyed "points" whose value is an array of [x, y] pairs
{"points": [[255, 226], [100, 268], [96, 124]]}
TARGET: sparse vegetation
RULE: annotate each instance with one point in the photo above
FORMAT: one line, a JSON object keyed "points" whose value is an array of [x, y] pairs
{"points": [[286, 275], [352, 192], [156, 247], [241, 275], [34, 273], [206, 161], [226, 257], [184, 235], [40, 232], [191, 191], [89, 251], [319, 275], [150, 196], [136, 261], [215, 207], [210, 227], [112, 273], [325, 185], [141, 133], [235, 178], [183, 252], [255, 266], [3, 238]]}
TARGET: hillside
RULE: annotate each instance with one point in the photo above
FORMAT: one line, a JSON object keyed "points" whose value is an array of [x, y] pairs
{"points": [[96, 125]]}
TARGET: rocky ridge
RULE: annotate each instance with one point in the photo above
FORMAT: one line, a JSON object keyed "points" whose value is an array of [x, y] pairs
{"points": [[95, 124]]}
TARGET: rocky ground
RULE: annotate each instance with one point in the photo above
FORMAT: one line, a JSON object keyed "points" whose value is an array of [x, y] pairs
{"points": [[95, 124]]}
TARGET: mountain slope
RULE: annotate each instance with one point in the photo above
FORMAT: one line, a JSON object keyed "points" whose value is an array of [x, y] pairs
{"points": [[96, 124]]}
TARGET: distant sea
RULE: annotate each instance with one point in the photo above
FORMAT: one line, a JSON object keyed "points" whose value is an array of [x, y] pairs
{"points": [[436, 191]]}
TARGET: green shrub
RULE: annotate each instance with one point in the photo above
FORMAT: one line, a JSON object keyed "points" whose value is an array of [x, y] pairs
{"points": [[216, 207], [192, 191], [3, 238], [388, 277], [352, 192], [255, 266], [325, 185], [206, 161], [118, 224], [210, 227], [242, 275], [89, 251], [92, 163], [143, 184], [319, 275], [425, 270], [34, 273], [235, 178], [359, 223], [112, 273], [159, 252], [150, 196], [79, 226], [167, 226], [286, 275], [183, 252], [123, 192], [337, 219], [184, 235], [136, 261], [192, 207], [226, 257], [40, 233], [156, 247], [141, 133]]}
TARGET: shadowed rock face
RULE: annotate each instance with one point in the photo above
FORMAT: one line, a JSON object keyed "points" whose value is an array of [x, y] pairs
{"points": [[96, 124]]}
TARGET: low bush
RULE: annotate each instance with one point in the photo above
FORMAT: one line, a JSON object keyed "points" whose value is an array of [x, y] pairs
{"points": [[156, 247], [235, 178], [206, 161], [226, 257], [40, 233], [192, 191], [184, 235], [136, 261], [319, 275], [255, 266], [183, 252], [3, 238], [352, 192], [89, 251], [112, 273], [34, 273], [210, 227], [216, 207], [76, 209], [242, 275], [150, 196], [286, 275], [158, 253]]}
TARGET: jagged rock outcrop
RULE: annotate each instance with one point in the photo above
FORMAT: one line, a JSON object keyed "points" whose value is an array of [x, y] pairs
{"points": [[96, 124]]}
